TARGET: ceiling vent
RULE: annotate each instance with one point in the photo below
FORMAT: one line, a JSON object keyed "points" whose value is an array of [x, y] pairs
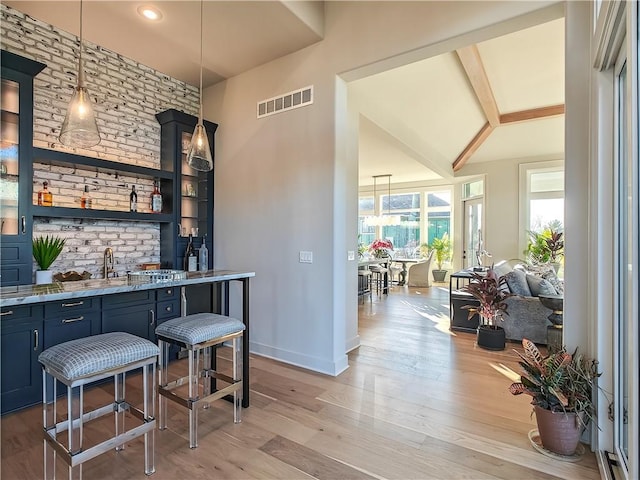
{"points": [[287, 101]]}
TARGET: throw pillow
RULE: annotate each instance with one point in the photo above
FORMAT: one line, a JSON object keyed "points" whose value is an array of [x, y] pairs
{"points": [[517, 281], [551, 277], [539, 286]]}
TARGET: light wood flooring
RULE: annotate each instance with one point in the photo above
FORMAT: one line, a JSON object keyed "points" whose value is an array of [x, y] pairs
{"points": [[417, 402]]}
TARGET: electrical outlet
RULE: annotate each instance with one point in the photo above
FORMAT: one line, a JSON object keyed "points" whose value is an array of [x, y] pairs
{"points": [[351, 255], [306, 257]]}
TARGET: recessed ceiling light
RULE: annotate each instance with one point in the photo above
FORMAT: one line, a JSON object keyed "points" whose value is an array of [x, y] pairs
{"points": [[150, 12]]}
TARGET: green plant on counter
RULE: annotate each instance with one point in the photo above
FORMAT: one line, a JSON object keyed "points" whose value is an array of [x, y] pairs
{"points": [[46, 250]]}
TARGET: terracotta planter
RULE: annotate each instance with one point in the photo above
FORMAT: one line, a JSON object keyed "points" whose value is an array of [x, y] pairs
{"points": [[491, 337], [559, 432]]}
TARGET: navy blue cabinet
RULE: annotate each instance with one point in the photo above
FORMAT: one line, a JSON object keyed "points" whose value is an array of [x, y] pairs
{"points": [[191, 192], [16, 170], [133, 313], [21, 343], [71, 319]]}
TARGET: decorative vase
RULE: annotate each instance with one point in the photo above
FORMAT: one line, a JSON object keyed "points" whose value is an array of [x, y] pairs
{"points": [[44, 276], [380, 254], [491, 337], [559, 432]]}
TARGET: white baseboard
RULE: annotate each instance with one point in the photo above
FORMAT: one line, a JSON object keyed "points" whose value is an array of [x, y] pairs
{"points": [[328, 367]]}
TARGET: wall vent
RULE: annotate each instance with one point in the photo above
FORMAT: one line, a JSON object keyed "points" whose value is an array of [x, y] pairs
{"points": [[287, 101]]}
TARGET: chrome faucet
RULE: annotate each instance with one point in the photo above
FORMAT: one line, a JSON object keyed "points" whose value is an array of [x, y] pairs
{"points": [[108, 262]]}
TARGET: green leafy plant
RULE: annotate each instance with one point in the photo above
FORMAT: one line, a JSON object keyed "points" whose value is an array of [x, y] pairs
{"points": [[545, 247], [424, 250], [488, 289], [560, 382], [46, 250], [442, 248]]}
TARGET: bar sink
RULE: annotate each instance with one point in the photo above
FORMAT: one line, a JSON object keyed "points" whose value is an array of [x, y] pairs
{"points": [[156, 276]]}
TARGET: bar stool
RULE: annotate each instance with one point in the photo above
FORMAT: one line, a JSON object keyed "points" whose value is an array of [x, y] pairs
{"points": [[364, 284], [199, 333], [379, 274], [79, 362]]}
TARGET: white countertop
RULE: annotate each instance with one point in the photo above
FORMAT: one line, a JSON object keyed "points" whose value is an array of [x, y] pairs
{"points": [[28, 294]]}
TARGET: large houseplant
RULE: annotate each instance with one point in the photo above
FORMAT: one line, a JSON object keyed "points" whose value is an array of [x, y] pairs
{"points": [[488, 289], [561, 386], [45, 252], [545, 247], [442, 252]]}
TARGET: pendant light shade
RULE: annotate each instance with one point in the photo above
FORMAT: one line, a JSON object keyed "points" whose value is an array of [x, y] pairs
{"points": [[79, 128], [199, 154], [383, 220]]}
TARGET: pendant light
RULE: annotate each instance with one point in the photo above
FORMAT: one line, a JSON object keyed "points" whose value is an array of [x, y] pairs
{"points": [[199, 155], [383, 220], [79, 128]]}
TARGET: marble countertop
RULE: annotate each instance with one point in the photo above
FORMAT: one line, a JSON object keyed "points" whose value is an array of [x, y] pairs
{"points": [[28, 294]]}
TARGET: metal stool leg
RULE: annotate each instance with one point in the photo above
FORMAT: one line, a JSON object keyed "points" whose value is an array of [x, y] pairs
{"points": [[237, 367], [118, 388], [75, 397], [163, 374], [49, 421], [193, 396], [149, 394]]}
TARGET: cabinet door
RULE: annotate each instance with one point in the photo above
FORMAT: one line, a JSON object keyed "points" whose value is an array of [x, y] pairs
{"points": [[16, 135], [136, 319], [21, 343], [70, 327]]}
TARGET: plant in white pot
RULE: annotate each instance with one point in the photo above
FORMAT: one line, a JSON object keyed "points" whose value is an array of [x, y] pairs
{"points": [[561, 386], [45, 252], [489, 290]]}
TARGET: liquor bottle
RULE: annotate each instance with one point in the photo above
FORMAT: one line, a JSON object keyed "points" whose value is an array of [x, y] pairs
{"points": [[45, 197], [133, 199], [204, 256], [85, 201], [156, 199], [190, 259]]}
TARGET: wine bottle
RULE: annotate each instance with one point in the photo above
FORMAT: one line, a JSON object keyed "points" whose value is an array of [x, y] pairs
{"points": [[45, 197], [85, 200], [204, 255], [133, 199], [190, 259], [156, 199]]}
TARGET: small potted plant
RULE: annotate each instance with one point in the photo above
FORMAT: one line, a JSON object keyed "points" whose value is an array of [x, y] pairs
{"points": [[45, 252], [488, 289], [561, 386], [442, 252]]}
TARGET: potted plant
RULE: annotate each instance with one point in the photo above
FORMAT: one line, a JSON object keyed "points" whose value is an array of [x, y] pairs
{"points": [[45, 251], [380, 248], [488, 289], [546, 247], [561, 387], [442, 252]]}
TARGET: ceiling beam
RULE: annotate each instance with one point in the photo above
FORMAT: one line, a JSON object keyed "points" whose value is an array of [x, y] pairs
{"points": [[473, 145], [473, 66], [532, 114]]}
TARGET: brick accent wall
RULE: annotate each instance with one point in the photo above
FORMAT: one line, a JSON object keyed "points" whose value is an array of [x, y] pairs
{"points": [[126, 96]]}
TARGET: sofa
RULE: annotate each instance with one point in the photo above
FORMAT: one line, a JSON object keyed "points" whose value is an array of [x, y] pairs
{"points": [[526, 316]]}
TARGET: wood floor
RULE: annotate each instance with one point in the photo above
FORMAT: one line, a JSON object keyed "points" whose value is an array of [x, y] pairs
{"points": [[417, 402]]}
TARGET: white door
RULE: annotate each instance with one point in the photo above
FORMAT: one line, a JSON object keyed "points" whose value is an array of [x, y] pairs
{"points": [[472, 235]]}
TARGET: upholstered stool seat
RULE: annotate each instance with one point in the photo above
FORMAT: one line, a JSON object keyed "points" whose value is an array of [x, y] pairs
{"points": [[198, 334], [379, 276], [79, 362]]}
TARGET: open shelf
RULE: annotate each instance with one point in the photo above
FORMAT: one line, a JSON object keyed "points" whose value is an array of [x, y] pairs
{"points": [[65, 212]]}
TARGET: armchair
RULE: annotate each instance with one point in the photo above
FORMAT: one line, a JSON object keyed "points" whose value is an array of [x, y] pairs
{"points": [[419, 273]]}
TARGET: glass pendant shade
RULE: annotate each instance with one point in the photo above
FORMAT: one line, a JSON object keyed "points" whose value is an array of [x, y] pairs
{"points": [[80, 128], [199, 155]]}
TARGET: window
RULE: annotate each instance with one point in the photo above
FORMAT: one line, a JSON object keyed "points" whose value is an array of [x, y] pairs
{"points": [[541, 198], [405, 233]]}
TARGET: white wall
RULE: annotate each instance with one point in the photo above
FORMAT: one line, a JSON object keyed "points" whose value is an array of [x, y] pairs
{"points": [[287, 182]]}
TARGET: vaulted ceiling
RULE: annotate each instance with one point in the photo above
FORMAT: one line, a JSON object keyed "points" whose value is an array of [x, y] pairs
{"points": [[499, 99]]}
